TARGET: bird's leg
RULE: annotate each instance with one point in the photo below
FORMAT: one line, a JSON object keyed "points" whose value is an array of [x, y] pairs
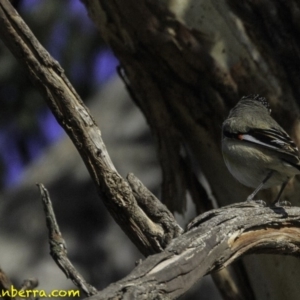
{"points": [[286, 203], [250, 197]]}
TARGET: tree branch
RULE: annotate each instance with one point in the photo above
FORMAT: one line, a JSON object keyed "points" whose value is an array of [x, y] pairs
{"points": [[58, 247], [214, 240], [75, 118], [6, 288]]}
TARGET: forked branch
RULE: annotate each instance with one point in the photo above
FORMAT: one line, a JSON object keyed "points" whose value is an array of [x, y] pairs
{"points": [[139, 224]]}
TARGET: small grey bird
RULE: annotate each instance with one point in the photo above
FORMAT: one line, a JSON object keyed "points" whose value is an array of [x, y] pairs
{"points": [[256, 150]]}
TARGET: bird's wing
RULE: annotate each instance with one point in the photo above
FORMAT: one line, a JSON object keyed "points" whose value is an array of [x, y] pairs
{"points": [[273, 139]]}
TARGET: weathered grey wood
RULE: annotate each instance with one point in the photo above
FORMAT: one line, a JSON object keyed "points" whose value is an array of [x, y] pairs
{"points": [[75, 118], [214, 240]]}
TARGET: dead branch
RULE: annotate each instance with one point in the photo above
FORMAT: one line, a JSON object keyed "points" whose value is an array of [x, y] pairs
{"points": [[75, 118], [9, 292], [58, 247], [214, 240]]}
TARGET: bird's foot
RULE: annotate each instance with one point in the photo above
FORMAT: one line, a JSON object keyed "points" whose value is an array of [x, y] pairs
{"points": [[282, 203]]}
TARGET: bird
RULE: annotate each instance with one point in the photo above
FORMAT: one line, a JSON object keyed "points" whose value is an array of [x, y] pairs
{"points": [[256, 149]]}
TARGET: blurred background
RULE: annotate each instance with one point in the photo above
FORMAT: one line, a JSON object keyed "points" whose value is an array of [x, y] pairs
{"points": [[33, 148]]}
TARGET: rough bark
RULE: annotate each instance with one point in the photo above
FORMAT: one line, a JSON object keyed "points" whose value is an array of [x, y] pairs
{"points": [[185, 86], [75, 118], [213, 241]]}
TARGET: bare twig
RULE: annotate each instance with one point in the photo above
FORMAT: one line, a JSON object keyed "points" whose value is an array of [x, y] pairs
{"points": [[154, 209], [58, 248], [9, 292], [29, 285]]}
